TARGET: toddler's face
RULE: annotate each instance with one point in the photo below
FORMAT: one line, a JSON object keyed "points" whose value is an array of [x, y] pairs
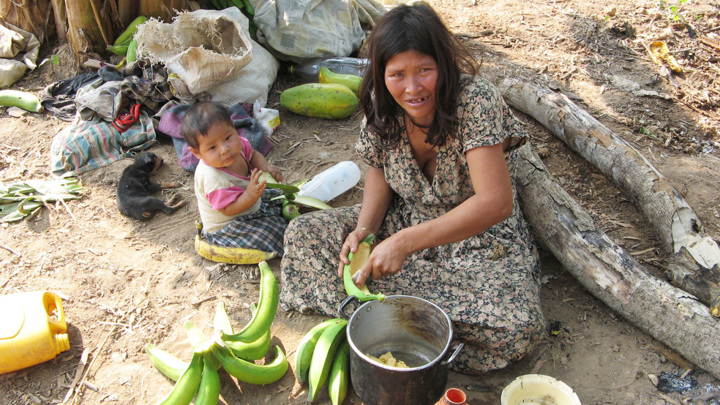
{"points": [[220, 147]]}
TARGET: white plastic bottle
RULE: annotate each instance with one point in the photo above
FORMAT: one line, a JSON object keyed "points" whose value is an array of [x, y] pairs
{"points": [[332, 182], [345, 64]]}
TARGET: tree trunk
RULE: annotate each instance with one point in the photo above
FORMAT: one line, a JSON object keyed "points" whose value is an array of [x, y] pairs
{"points": [[60, 14], [667, 313], [695, 261], [84, 34]]}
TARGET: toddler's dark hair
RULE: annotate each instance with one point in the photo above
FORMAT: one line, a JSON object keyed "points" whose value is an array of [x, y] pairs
{"points": [[200, 118]]}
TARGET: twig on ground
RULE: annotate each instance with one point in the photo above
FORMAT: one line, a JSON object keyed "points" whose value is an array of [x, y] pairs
{"points": [[68, 209], [10, 250], [99, 349], [78, 374], [203, 300]]}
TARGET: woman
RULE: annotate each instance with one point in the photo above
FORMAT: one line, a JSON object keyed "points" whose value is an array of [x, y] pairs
{"points": [[440, 143]]}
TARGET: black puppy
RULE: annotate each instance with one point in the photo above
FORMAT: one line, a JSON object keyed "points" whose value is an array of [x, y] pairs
{"points": [[135, 187]]}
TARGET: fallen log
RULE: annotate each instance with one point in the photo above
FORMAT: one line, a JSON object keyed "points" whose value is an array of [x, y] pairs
{"points": [[665, 312], [695, 257]]}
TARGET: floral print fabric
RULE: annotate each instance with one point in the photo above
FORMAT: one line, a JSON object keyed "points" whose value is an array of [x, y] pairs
{"points": [[488, 284]]}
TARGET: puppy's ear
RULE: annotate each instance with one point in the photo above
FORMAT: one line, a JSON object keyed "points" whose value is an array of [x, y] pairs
{"points": [[146, 159]]}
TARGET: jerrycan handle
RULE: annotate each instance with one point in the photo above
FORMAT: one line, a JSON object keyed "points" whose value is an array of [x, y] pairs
{"points": [[56, 316]]}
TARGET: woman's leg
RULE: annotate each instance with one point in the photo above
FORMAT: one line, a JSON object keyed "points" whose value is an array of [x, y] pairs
{"points": [[309, 266]]}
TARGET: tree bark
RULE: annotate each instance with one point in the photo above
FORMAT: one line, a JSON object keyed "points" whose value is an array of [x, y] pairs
{"points": [[695, 260], [60, 15], [665, 312]]}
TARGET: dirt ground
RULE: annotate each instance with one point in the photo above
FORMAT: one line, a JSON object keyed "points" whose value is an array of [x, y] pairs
{"points": [[125, 283]]}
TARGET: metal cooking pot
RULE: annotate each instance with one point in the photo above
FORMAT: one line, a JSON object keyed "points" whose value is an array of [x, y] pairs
{"points": [[415, 331]]}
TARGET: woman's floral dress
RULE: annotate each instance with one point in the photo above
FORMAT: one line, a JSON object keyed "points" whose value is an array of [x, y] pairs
{"points": [[488, 284]]}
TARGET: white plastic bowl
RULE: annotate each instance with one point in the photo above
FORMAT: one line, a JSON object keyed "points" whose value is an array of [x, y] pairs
{"points": [[538, 389]]}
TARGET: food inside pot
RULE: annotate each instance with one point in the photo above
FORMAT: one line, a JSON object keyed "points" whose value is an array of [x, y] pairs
{"points": [[389, 360]]}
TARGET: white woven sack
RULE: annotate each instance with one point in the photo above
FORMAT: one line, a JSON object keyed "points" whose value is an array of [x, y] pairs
{"points": [[204, 47], [253, 82]]}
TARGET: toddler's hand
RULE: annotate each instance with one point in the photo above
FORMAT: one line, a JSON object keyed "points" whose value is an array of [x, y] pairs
{"points": [[275, 172], [256, 187]]}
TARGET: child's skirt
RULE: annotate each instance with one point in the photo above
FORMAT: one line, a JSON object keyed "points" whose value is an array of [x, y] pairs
{"points": [[262, 230]]}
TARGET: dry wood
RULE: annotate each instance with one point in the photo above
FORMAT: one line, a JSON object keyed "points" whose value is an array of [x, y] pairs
{"points": [[665, 312], [695, 260]]}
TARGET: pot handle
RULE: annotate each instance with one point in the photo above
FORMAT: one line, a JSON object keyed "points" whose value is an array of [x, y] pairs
{"points": [[343, 304], [458, 348]]}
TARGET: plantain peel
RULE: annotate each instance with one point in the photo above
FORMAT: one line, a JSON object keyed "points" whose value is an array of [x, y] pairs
{"points": [[357, 262]]}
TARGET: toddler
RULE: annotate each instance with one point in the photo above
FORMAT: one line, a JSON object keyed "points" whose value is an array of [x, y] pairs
{"points": [[234, 206]]}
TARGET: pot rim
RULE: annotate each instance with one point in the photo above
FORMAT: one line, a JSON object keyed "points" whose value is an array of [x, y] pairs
{"points": [[365, 358]]}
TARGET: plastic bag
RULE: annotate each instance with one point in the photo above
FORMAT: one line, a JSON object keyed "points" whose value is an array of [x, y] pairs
{"points": [[296, 30]]}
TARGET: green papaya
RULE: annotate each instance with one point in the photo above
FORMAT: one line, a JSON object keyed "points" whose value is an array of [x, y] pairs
{"points": [[321, 100]]}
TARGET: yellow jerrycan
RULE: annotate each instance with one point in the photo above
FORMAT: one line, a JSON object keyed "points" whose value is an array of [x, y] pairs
{"points": [[32, 329]]}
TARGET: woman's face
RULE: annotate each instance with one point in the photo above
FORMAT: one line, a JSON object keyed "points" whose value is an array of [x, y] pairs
{"points": [[411, 78]]}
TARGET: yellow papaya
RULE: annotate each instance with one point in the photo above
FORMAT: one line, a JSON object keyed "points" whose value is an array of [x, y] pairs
{"points": [[326, 75], [321, 100]]}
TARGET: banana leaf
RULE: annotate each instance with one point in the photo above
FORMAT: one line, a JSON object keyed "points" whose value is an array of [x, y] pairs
{"points": [[21, 199]]}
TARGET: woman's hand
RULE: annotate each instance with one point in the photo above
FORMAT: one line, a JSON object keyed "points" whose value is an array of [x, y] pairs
{"points": [[351, 245], [386, 258]]}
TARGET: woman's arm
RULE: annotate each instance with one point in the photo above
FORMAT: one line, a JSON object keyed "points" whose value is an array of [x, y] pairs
{"points": [[491, 204], [377, 195]]}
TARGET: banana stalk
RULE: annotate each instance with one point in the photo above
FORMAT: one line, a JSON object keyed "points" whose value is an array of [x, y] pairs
{"points": [[194, 334], [221, 322]]}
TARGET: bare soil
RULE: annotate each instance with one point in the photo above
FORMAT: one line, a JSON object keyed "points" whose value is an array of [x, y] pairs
{"points": [[125, 283]]}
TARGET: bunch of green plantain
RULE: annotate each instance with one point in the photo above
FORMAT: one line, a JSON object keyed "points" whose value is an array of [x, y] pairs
{"points": [[235, 352], [123, 42], [323, 355], [244, 5]]}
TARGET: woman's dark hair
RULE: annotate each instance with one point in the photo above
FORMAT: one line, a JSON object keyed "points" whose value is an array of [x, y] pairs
{"points": [[200, 118], [415, 27]]}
